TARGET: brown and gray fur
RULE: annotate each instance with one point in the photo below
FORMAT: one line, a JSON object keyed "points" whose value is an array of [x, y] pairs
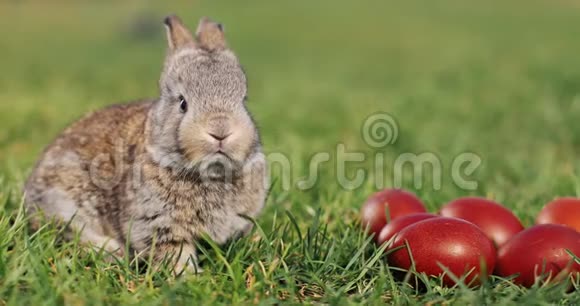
{"points": [[156, 175]]}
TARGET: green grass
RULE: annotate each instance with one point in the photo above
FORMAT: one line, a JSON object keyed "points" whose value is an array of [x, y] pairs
{"points": [[497, 78]]}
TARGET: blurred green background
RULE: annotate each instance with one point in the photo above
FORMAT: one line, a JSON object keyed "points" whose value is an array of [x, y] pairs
{"points": [[497, 78]]}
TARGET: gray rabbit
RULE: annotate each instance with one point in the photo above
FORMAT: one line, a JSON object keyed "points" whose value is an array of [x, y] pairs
{"points": [[153, 176]]}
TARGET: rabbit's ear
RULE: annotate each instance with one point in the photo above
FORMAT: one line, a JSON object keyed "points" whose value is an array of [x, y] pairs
{"points": [[210, 35], [177, 34]]}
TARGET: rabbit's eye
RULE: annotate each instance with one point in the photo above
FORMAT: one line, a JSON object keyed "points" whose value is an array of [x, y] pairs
{"points": [[182, 104]]}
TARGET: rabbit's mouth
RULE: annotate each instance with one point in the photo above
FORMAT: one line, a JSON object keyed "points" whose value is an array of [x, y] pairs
{"points": [[220, 152]]}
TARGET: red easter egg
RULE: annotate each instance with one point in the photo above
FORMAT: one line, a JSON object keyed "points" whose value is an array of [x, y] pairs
{"points": [[459, 246], [565, 211], [539, 250]]}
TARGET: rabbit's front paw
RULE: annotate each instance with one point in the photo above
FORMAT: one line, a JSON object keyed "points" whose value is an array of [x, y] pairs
{"points": [[185, 258], [190, 267]]}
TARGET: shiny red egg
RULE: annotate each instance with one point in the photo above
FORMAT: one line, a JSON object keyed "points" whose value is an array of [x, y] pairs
{"points": [[539, 251], [565, 211], [459, 246]]}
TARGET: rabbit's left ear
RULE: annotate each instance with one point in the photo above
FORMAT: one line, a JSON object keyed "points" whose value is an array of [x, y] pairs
{"points": [[178, 35], [210, 35]]}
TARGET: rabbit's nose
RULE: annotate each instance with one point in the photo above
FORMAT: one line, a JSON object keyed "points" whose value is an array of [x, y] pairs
{"points": [[219, 136]]}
